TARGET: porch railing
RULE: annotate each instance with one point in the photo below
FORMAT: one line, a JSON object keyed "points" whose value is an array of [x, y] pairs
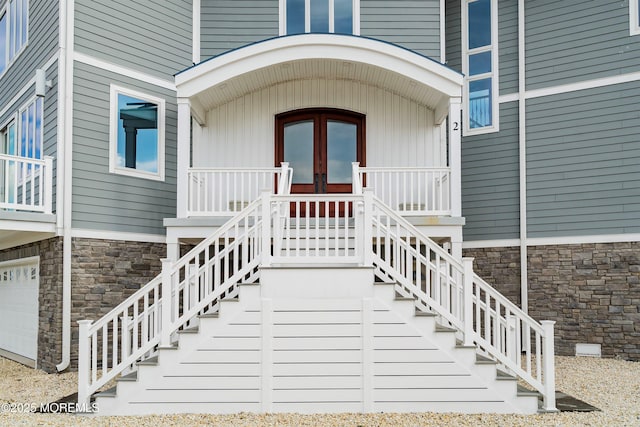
{"points": [[358, 228], [227, 191], [26, 184], [408, 190]]}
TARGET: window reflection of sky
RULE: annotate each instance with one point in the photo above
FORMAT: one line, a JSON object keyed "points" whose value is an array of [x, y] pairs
{"points": [[341, 151], [3, 42], [479, 23], [146, 140], [295, 16], [479, 63], [298, 150], [320, 16]]}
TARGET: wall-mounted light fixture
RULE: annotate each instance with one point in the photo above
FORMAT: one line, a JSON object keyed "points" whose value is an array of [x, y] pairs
{"points": [[42, 83]]}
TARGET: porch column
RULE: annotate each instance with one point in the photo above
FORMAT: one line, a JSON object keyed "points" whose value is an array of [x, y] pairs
{"points": [[455, 156], [184, 144]]}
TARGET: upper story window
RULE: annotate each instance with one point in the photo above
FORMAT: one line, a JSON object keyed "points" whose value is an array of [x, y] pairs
{"points": [[136, 144], [634, 17], [14, 18], [319, 16], [480, 66]]}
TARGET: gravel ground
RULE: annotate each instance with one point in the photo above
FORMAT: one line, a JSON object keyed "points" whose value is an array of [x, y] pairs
{"points": [[611, 385]]}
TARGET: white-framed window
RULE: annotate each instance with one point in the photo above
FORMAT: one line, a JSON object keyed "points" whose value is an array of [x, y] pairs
{"points": [[14, 30], [137, 134], [319, 16], [634, 17], [480, 66]]}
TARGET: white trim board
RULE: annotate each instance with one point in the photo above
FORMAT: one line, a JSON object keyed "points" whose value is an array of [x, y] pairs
{"points": [[572, 87], [117, 235], [118, 69], [551, 241]]}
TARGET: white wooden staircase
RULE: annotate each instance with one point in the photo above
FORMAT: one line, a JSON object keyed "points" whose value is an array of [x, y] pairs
{"points": [[290, 310]]}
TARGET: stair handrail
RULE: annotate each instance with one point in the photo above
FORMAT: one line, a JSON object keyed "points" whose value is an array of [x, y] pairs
{"points": [[504, 337], [144, 334]]}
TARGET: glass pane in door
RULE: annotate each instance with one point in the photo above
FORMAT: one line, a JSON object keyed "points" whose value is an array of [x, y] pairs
{"points": [[342, 145], [298, 150]]}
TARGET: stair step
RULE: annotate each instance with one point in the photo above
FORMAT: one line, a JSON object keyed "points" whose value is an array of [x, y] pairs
{"points": [[213, 315], [425, 314], [133, 376], [442, 328], [234, 299], [504, 376], [523, 391], [152, 361], [111, 392], [192, 330], [401, 298], [482, 360], [460, 344]]}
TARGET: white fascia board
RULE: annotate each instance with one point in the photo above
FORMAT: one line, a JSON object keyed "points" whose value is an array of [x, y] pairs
{"points": [[482, 244], [312, 46], [578, 240], [553, 241]]}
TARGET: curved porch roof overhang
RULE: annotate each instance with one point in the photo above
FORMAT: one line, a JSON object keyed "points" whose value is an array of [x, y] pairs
{"points": [[307, 56]]}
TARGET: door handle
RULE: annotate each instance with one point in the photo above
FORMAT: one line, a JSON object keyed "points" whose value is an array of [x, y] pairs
{"points": [[324, 182], [315, 183]]}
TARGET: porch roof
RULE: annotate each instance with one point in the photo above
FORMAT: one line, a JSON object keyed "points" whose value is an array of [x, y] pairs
{"points": [[306, 56]]}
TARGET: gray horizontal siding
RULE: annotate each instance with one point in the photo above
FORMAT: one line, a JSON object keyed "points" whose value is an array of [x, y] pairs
{"points": [[153, 37], [508, 46], [453, 25], [50, 125], [413, 24], [42, 46], [229, 24], [490, 181], [569, 41], [106, 201], [583, 154]]}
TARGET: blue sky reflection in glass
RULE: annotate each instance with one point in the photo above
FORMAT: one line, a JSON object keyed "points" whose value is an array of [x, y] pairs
{"points": [[140, 117], [298, 150], [479, 23], [295, 16], [342, 145], [3, 42]]}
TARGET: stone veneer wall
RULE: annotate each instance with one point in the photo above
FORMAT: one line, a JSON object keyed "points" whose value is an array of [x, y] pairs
{"points": [[104, 273], [50, 300], [592, 291], [500, 267]]}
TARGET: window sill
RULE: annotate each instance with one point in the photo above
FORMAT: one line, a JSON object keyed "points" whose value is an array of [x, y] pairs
{"points": [[138, 174]]}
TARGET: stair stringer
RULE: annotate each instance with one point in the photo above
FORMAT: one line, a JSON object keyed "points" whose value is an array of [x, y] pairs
{"points": [[356, 353]]}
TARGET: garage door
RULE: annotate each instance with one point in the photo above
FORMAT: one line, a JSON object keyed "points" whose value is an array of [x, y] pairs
{"points": [[19, 307]]}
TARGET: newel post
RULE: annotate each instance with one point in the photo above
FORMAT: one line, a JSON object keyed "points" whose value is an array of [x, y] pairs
{"points": [[467, 292], [367, 228], [165, 320], [283, 182], [83, 362], [266, 227], [355, 176], [548, 367]]}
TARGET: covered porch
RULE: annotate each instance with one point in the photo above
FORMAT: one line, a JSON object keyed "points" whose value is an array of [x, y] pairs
{"points": [[230, 141]]}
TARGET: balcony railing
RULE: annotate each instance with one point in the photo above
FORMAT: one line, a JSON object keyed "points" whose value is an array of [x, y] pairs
{"points": [[26, 184], [227, 191], [408, 190]]}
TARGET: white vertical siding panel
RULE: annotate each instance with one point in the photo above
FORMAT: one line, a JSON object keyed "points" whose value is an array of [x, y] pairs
{"points": [[400, 132]]}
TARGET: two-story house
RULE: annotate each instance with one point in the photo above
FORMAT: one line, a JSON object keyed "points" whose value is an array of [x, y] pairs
{"points": [[186, 147]]}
